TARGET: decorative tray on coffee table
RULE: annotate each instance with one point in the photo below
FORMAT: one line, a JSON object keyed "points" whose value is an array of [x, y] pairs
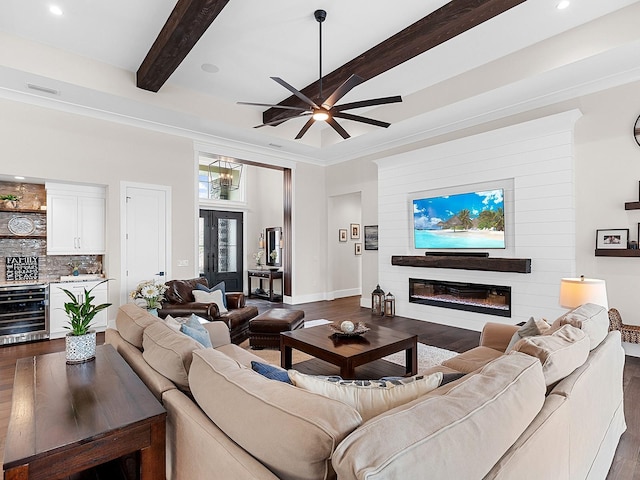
{"points": [[360, 329]]}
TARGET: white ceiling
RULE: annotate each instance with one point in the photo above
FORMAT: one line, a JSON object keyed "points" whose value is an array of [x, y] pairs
{"points": [[252, 40]]}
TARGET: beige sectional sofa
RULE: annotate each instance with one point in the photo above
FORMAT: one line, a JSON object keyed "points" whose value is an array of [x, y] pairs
{"points": [[549, 408]]}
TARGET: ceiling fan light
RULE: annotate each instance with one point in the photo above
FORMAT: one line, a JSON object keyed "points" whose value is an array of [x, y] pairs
{"points": [[320, 116]]}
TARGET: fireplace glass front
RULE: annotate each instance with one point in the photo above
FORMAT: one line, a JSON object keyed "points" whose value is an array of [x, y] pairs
{"points": [[472, 297]]}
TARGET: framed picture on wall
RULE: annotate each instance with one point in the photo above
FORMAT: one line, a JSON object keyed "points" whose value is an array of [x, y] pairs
{"points": [[342, 235], [358, 248], [371, 237], [355, 231], [616, 238]]}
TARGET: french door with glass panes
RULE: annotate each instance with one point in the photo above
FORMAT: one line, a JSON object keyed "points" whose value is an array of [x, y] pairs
{"points": [[220, 248]]}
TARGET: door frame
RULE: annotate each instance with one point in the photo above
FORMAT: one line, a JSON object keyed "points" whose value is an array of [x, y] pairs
{"points": [[124, 295]]}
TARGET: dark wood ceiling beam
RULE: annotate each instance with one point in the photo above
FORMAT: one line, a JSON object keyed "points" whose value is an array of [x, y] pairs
{"points": [[184, 27], [443, 24]]}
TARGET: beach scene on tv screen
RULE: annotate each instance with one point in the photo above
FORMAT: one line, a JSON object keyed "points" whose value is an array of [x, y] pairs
{"points": [[465, 220]]}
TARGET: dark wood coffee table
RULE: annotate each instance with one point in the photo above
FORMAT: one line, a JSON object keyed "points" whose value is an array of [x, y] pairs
{"points": [[68, 418], [349, 353]]}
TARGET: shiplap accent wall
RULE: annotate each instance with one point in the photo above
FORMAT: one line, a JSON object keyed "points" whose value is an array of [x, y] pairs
{"points": [[537, 159]]}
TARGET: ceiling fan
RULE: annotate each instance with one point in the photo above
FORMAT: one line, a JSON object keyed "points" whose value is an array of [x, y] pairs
{"points": [[325, 109]]}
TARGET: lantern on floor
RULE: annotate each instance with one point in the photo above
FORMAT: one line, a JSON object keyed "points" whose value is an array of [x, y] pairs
{"points": [[390, 305], [377, 301]]}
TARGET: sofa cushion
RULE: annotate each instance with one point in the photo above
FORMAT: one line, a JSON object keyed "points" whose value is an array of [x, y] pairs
{"points": [[291, 431], [533, 327], [590, 318], [158, 384], [131, 321], [169, 353], [369, 397], [214, 296], [473, 359], [559, 353], [460, 435]]}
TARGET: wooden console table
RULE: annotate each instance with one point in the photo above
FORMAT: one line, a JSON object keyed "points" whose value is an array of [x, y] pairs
{"points": [[270, 275], [68, 418]]}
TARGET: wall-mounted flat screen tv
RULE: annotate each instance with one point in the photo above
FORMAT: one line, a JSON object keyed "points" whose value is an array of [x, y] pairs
{"points": [[464, 220]]}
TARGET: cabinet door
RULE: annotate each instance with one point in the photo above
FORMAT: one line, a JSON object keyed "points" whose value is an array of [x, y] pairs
{"points": [[62, 224], [91, 220], [58, 319], [76, 220]]}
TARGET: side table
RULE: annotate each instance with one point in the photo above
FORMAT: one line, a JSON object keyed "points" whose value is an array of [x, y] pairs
{"points": [[68, 418], [269, 275]]}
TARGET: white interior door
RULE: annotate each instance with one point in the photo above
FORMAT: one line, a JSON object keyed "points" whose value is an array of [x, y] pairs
{"points": [[146, 223]]}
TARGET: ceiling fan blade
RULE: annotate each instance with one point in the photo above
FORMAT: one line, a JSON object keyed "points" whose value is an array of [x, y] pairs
{"points": [[297, 93], [358, 118], [273, 106], [336, 126], [305, 128], [275, 123], [368, 103], [342, 90]]}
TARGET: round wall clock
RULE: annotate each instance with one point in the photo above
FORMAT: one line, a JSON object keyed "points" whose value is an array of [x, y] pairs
{"points": [[21, 226], [636, 131]]}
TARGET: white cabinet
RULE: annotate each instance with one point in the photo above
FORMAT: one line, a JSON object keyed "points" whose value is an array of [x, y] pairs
{"points": [[75, 219], [57, 298]]}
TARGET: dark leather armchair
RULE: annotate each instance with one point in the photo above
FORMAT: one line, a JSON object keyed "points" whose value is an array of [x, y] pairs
{"points": [[179, 302]]}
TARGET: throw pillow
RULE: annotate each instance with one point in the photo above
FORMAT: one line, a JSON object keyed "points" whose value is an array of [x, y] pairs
{"points": [[210, 297], [271, 371], [532, 328], [369, 397], [194, 329], [220, 286]]}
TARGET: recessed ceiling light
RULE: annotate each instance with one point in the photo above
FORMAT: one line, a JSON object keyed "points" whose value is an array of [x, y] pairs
{"points": [[563, 4], [210, 68], [18, 177]]}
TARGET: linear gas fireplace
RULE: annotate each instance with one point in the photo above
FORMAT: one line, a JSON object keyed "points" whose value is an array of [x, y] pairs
{"points": [[472, 297]]}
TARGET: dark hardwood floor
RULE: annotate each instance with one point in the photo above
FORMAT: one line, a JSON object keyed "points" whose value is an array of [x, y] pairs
{"points": [[625, 464]]}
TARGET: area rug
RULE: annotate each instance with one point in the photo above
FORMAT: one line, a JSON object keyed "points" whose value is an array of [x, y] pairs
{"points": [[428, 356]]}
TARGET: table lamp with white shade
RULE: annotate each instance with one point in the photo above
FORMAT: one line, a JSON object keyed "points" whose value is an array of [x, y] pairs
{"points": [[578, 291]]}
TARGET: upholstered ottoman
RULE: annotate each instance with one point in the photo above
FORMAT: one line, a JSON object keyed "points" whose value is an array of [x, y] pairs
{"points": [[264, 330]]}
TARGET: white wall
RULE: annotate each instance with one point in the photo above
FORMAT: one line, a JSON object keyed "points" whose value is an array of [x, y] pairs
{"points": [[607, 175], [345, 266], [358, 176], [309, 218], [264, 200], [538, 157], [52, 145]]}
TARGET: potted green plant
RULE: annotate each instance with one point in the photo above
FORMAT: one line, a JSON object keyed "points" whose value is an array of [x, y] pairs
{"points": [[9, 200], [80, 342]]}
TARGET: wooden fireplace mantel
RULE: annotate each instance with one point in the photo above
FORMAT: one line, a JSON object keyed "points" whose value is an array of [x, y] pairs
{"points": [[514, 265]]}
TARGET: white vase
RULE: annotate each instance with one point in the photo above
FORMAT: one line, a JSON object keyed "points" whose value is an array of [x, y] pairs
{"points": [[80, 348]]}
